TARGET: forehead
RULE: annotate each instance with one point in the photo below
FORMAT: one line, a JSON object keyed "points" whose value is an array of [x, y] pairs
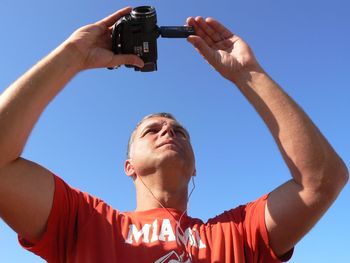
{"points": [[158, 121]]}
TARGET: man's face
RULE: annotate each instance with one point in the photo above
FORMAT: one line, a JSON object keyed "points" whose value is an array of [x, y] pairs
{"points": [[161, 143]]}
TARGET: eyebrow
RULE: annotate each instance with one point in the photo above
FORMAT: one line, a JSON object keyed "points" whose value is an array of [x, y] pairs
{"points": [[159, 123], [151, 125]]}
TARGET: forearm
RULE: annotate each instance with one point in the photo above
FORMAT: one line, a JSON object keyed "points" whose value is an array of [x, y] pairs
{"points": [[22, 103], [312, 161]]}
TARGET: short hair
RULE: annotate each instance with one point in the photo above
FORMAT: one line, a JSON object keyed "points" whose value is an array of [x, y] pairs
{"points": [[159, 114]]}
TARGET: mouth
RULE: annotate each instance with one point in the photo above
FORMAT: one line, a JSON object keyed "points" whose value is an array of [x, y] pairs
{"points": [[167, 142]]}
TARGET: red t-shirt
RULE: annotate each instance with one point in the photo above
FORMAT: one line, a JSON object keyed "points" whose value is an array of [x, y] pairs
{"points": [[84, 229]]}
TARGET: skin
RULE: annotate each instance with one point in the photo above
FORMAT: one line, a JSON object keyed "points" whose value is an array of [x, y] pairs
{"points": [[162, 155], [318, 173], [26, 189]]}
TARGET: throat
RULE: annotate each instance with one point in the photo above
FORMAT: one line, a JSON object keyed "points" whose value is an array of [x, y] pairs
{"points": [[151, 196]]}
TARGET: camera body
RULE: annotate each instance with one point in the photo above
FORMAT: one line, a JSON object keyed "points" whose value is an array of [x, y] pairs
{"points": [[137, 33]]}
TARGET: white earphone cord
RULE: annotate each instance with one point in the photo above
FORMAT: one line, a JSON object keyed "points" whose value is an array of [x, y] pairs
{"points": [[178, 222]]}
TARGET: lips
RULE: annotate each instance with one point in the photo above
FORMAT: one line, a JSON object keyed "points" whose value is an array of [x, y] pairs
{"points": [[171, 142]]}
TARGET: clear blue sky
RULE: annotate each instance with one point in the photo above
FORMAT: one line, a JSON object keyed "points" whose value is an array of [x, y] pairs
{"points": [[82, 135]]}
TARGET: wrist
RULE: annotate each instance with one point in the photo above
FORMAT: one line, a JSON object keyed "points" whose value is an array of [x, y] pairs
{"points": [[249, 76], [70, 57]]}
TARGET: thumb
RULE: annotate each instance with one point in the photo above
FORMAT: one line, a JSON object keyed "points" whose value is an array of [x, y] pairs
{"points": [[201, 46], [127, 59]]}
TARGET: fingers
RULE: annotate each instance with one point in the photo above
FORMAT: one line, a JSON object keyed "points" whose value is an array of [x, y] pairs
{"points": [[200, 31], [210, 30], [201, 41], [126, 59], [218, 27], [214, 35], [201, 46], [111, 19]]}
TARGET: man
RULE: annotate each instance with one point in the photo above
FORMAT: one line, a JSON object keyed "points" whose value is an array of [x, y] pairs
{"points": [[62, 224]]}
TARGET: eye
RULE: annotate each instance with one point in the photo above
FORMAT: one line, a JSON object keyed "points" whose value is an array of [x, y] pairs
{"points": [[181, 132], [151, 131]]}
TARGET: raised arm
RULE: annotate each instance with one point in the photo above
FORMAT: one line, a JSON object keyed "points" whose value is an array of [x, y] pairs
{"points": [[26, 189], [318, 173]]}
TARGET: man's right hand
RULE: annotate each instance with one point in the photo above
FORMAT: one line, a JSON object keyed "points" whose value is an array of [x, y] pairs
{"points": [[26, 188], [225, 51], [93, 44]]}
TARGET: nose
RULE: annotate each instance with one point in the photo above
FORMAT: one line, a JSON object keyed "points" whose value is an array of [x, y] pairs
{"points": [[168, 130]]}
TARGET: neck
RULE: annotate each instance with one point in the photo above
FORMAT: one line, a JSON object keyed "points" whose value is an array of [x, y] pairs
{"points": [[150, 196]]}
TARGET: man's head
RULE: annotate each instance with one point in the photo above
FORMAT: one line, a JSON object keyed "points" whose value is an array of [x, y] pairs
{"points": [[160, 144], [160, 114]]}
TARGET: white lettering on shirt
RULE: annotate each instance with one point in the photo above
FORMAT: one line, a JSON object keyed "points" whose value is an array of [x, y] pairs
{"points": [[134, 232], [166, 230], [155, 236], [165, 234]]}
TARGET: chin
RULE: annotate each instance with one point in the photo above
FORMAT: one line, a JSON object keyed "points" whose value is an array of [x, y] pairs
{"points": [[170, 156], [173, 160]]}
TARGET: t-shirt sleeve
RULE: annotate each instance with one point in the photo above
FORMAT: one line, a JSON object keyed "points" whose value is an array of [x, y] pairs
{"points": [[256, 232], [69, 212], [240, 235]]}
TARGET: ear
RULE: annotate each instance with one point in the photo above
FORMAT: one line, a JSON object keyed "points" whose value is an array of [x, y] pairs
{"points": [[129, 168], [194, 172]]}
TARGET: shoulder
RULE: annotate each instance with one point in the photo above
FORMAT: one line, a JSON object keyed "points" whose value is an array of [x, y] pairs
{"points": [[70, 198], [242, 213]]}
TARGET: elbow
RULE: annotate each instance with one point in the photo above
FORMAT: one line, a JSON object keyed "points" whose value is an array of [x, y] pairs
{"points": [[328, 178], [342, 177], [336, 177], [344, 174], [341, 172]]}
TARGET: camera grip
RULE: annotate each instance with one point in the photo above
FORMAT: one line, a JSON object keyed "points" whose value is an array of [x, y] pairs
{"points": [[176, 31]]}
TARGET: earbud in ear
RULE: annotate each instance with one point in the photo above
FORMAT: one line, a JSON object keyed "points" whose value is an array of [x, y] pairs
{"points": [[194, 172]]}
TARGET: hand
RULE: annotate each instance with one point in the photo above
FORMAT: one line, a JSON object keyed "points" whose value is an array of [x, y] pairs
{"points": [[93, 43], [225, 51]]}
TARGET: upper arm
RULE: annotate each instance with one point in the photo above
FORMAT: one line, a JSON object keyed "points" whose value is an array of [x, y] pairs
{"points": [[26, 196], [291, 211]]}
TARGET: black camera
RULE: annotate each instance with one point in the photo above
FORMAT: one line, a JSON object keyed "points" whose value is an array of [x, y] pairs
{"points": [[137, 33]]}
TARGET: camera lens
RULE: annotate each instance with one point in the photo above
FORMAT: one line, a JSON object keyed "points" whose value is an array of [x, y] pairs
{"points": [[143, 12]]}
